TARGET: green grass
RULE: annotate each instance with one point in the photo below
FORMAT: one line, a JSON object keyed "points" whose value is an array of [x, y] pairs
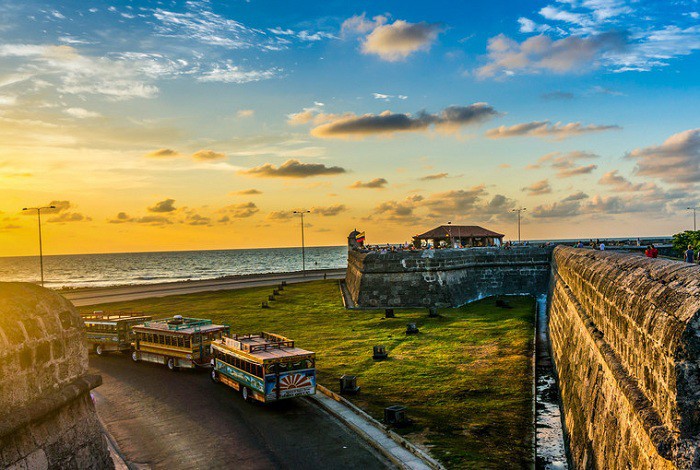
{"points": [[466, 378]]}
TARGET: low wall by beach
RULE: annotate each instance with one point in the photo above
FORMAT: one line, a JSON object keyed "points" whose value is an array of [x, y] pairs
{"points": [[625, 336], [445, 278]]}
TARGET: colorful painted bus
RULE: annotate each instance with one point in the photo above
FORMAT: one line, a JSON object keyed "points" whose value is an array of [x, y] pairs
{"points": [[111, 331], [177, 342], [264, 367]]}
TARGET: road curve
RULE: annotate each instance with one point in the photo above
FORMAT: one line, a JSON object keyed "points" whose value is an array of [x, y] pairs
{"points": [[93, 296], [182, 420]]}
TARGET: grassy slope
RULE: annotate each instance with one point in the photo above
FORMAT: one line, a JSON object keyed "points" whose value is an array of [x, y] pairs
{"points": [[465, 378]]}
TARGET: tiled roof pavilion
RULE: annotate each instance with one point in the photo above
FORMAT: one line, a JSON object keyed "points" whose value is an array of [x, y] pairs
{"points": [[463, 234]]}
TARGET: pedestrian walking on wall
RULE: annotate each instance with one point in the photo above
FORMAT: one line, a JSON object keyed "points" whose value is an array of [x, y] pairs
{"points": [[690, 255], [654, 252], [648, 252], [602, 246]]}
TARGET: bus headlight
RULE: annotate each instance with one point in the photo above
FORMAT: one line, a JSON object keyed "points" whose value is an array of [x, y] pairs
{"points": [[189, 356], [115, 339], [212, 361]]}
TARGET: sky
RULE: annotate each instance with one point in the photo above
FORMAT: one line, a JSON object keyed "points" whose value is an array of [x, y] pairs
{"points": [[156, 126]]}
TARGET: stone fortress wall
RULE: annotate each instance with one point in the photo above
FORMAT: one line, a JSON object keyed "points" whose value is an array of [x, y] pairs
{"points": [[625, 335], [624, 332], [47, 417], [445, 278]]}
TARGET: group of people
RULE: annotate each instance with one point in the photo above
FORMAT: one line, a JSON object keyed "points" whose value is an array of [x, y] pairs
{"points": [[596, 245], [651, 252]]}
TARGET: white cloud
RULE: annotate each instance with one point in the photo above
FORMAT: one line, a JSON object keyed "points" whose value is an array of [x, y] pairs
{"points": [[81, 113], [545, 129], [540, 53], [676, 160], [229, 73], [392, 41], [583, 35]]}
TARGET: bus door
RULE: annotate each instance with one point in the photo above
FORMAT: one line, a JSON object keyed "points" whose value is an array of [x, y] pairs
{"points": [[197, 337]]}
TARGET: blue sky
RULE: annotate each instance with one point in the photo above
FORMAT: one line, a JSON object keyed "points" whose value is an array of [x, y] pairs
{"points": [[390, 117]]}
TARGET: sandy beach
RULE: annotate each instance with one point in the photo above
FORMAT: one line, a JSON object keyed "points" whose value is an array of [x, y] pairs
{"points": [[101, 295]]}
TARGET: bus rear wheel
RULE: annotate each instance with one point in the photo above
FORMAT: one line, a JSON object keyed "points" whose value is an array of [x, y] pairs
{"points": [[99, 350], [135, 356], [214, 376], [245, 393], [171, 364]]}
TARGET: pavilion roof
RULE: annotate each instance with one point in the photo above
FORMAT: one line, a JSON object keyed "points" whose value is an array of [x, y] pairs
{"points": [[464, 231]]}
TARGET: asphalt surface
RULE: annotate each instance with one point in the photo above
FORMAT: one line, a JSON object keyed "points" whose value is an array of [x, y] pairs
{"points": [[92, 296], [182, 420]]}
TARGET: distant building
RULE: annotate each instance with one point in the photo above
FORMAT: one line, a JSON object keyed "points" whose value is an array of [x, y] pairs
{"points": [[459, 235]]}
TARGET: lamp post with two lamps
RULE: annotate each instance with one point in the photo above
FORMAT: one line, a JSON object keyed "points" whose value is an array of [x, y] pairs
{"points": [[303, 254], [41, 251]]}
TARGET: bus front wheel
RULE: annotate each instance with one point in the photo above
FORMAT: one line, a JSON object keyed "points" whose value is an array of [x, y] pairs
{"points": [[135, 356], [214, 376], [99, 350], [245, 393], [171, 364]]}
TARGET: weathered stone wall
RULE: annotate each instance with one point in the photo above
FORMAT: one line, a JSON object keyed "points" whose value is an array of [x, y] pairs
{"points": [[47, 418], [445, 278], [625, 335]]}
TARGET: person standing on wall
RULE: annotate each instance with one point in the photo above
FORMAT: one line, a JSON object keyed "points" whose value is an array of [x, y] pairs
{"points": [[654, 251], [689, 255]]}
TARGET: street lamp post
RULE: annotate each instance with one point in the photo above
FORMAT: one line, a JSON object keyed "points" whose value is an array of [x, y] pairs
{"points": [[303, 253], [519, 211], [695, 225], [41, 251]]}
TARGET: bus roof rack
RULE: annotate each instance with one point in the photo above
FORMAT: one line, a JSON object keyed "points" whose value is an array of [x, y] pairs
{"points": [[115, 316], [258, 342], [178, 322]]}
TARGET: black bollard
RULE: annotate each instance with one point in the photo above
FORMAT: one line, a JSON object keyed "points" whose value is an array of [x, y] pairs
{"points": [[396, 416], [379, 353], [348, 385], [389, 313]]}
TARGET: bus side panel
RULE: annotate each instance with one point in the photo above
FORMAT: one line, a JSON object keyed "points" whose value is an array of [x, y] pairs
{"points": [[244, 378]]}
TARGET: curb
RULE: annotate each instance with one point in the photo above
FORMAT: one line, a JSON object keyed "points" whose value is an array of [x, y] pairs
{"points": [[426, 460]]}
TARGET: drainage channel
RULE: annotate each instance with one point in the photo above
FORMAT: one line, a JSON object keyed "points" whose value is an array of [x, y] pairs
{"points": [[550, 448]]}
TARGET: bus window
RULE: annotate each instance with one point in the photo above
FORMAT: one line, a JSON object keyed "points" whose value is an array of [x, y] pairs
{"points": [[179, 341]]}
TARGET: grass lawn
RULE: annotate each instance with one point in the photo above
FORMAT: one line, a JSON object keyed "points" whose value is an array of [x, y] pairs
{"points": [[466, 378]]}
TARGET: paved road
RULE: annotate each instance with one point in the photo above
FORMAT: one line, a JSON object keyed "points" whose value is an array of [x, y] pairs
{"points": [[181, 420], [85, 297]]}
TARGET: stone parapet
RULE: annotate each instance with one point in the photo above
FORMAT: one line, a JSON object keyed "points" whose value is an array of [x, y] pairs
{"points": [[47, 418], [445, 278], [625, 335]]}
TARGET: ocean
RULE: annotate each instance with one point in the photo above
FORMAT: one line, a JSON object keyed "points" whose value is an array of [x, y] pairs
{"points": [[101, 270]]}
